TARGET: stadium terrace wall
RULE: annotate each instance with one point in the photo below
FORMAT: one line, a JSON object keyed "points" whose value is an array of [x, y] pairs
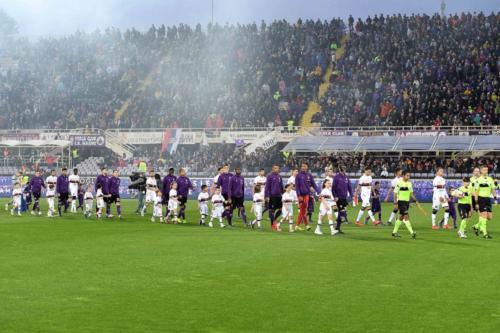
{"points": [[422, 187]]}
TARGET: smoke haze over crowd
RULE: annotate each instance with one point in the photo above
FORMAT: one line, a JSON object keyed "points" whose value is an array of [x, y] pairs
{"points": [[59, 17]]}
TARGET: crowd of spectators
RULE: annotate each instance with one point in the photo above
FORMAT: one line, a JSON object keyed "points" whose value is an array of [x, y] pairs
{"points": [[383, 166], [417, 70], [233, 75], [199, 158], [396, 70], [74, 81]]}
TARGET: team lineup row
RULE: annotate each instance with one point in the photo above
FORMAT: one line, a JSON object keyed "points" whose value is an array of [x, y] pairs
{"points": [[269, 194]]}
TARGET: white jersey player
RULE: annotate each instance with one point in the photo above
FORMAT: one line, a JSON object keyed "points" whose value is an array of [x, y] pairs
{"points": [[17, 178], [203, 198], [158, 207], [439, 198], [364, 189], [217, 208], [291, 181], [394, 182], [325, 209], [50, 193], [151, 189], [99, 202], [261, 181], [173, 203], [17, 194], [88, 198], [74, 184], [258, 206], [288, 199]]}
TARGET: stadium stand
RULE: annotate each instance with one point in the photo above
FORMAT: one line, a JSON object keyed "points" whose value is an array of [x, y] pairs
{"points": [[387, 70], [391, 70], [416, 70]]}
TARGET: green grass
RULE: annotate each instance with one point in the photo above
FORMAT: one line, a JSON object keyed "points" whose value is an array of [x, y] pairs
{"points": [[76, 275]]}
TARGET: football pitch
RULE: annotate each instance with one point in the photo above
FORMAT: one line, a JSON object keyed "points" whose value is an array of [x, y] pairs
{"points": [[77, 275]]}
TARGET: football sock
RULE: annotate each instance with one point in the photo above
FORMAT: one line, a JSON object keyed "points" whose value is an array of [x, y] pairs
{"points": [[408, 226], [463, 225], [344, 214], [396, 226], [482, 226], [278, 214], [271, 215], [446, 217], [392, 217], [339, 221], [244, 215]]}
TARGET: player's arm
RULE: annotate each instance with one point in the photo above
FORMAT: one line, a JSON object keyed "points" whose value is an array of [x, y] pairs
{"points": [[267, 188], [357, 190], [349, 187], [496, 186], [356, 193], [334, 192], [412, 195], [229, 190], [314, 187], [476, 196], [212, 188], [389, 191]]}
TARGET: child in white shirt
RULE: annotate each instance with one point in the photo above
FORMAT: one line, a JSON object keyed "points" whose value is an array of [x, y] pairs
{"points": [[217, 208], [203, 203]]}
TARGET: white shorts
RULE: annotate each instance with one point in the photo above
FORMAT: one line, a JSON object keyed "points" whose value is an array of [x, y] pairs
{"points": [[436, 202], [258, 211], [50, 201], [100, 203], [365, 200], [158, 211], [89, 204], [150, 196], [17, 201], [287, 211], [204, 210], [217, 212], [73, 191], [172, 205], [323, 211]]}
